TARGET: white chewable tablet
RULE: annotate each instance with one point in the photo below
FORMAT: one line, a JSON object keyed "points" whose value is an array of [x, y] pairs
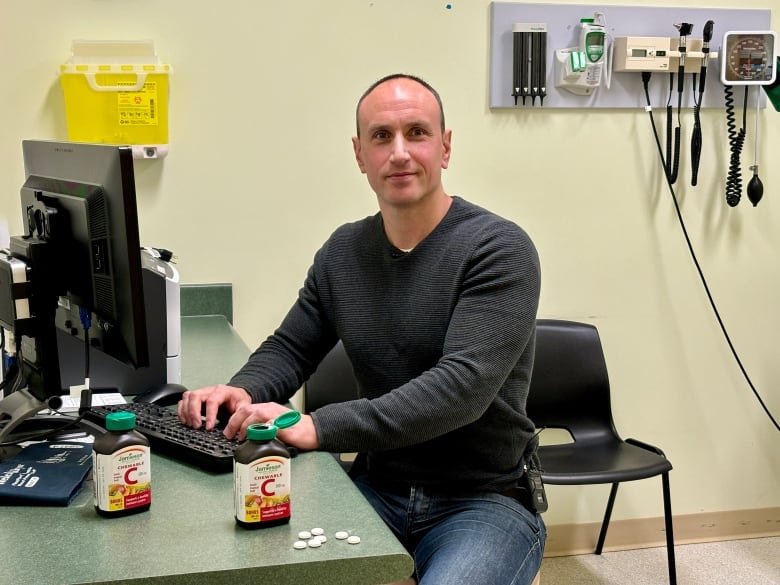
{"points": [[299, 544], [341, 535], [314, 543], [304, 535], [317, 531], [353, 539], [322, 538]]}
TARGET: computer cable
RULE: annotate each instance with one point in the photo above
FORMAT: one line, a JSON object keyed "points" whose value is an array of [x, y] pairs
{"points": [[86, 323], [7, 376], [19, 377], [161, 253], [648, 108], [69, 423]]}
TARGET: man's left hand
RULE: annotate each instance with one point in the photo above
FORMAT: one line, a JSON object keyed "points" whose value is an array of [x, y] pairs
{"points": [[302, 435]]}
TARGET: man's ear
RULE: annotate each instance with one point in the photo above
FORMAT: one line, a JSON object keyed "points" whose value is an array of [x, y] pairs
{"points": [[358, 153], [446, 141]]}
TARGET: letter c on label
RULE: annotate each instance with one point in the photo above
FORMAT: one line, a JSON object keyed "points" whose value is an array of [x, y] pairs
{"points": [[265, 491], [130, 480]]}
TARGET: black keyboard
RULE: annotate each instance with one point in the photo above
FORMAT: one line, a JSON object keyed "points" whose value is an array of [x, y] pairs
{"points": [[209, 450]]}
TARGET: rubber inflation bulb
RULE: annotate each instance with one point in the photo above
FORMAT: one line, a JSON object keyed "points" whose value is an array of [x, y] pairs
{"points": [[755, 189]]}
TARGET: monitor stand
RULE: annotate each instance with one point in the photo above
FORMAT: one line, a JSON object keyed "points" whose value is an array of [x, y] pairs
{"points": [[15, 408], [20, 421]]}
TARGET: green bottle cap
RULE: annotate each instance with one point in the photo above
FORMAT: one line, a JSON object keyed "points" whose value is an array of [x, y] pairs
{"points": [[287, 419], [120, 421], [261, 432]]}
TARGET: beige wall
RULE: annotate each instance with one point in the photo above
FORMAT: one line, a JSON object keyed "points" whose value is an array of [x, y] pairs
{"points": [[260, 171]]}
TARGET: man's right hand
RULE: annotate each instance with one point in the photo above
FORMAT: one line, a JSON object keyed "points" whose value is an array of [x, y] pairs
{"points": [[190, 408]]}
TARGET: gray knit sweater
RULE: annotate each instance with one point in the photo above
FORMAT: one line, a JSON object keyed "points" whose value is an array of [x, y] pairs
{"points": [[441, 340]]}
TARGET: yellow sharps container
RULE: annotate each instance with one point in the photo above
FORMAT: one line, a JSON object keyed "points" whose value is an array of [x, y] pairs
{"points": [[117, 92]]}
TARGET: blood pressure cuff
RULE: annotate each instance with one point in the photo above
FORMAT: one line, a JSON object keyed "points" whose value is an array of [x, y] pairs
{"points": [[49, 473]]}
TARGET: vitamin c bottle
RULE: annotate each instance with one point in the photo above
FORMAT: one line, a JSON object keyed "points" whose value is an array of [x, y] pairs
{"points": [[121, 465], [261, 475]]}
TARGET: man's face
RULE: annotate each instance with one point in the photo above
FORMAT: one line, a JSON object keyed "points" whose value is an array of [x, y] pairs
{"points": [[401, 148]]}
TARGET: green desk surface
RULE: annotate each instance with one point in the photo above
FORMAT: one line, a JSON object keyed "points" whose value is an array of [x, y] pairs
{"points": [[189, 535]]}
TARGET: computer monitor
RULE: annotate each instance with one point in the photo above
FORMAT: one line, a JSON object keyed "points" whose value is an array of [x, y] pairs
{"points": [[82, 267]]}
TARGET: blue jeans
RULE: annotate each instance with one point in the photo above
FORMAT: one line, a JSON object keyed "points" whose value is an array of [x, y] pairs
{"points": [[476, 539]]}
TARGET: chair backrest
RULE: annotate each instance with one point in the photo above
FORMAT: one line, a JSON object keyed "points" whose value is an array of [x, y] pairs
{"points": [[569, 383], [332, 381]]}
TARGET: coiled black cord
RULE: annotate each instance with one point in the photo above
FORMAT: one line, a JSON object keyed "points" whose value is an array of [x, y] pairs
{"points": [[672, 163], [736, 141], [677, 132], [696, 139]]}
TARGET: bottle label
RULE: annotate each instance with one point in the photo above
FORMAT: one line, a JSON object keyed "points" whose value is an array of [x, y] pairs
{"points": [[262, 489], [123, 479]]}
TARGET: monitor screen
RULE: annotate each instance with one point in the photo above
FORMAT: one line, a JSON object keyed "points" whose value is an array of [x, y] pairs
{"points": [[82, 254]]}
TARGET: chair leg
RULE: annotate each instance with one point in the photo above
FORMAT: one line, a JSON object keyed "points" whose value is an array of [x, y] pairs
{"points": [[669, 529], [607, 516]]}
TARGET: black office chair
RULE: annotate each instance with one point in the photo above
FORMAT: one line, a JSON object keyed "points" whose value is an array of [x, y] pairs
{"points": [[570, 390], [333, 381]]}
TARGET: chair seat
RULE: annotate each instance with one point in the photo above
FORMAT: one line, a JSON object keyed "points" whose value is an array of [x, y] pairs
{"points": [[589, 462]]}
